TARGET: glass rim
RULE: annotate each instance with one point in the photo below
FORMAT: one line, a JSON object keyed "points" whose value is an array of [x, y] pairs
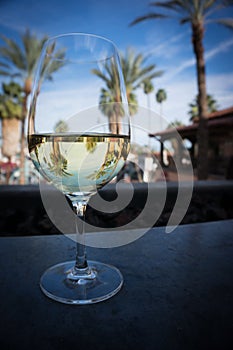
{"points": [[82, 34]]}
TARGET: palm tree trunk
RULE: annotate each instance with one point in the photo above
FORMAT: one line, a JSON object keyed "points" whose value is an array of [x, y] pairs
{"points": [[22, 142], [10, 141], [22, 157], [161, 116], [202, 134], [27, 91], [10, 136], [112, 123], [149, 118]]}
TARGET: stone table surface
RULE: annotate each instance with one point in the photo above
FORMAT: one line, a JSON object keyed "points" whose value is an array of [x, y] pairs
{"points": [[177, 293]]}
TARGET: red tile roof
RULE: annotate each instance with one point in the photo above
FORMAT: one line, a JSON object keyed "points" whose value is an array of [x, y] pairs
{"points": [[223, 117], [222, 113]]}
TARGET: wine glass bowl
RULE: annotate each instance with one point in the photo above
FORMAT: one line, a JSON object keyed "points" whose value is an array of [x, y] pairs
{"points": [[78, 139]]}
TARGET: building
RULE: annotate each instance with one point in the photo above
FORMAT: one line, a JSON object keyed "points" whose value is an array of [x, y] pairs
{"points": [[220, 152]]}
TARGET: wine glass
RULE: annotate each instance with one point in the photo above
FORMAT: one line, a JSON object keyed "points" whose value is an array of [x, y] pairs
{"points": [[78, 139]]}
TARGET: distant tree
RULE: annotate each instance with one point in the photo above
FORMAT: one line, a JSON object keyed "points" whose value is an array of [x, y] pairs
{"points": [[20, 60], [61, 126], [148, 88], [161, 96], [211, 104], [175, 124], [195, 12]]}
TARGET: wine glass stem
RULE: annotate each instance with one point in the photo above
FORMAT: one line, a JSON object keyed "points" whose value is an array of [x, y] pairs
{"points": [[80, 270], [80, 210]]}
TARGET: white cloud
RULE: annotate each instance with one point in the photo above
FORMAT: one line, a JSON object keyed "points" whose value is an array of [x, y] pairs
{"points": [[181, 92], [179, 95], [176, 68], [162, 46], [221, 87], [166, 47], [222, 47]]}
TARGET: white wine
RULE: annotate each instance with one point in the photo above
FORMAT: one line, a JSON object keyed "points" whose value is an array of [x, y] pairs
{"points": [[78, 164]]}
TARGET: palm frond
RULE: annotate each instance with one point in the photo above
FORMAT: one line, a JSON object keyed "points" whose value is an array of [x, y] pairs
{"points": [[21, 60], [147, 73], [171, 5], [148, 16], [13, 53], [135, 72], [227, 2], [53, 65], [32, 49], [207, 4], [110, 68], [227, 22], [190, 7], [5, 73], [5, 65], [100, 75], [185, 20]]}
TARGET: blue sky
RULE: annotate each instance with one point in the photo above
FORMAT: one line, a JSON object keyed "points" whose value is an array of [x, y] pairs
{"points": [[167, 42]]}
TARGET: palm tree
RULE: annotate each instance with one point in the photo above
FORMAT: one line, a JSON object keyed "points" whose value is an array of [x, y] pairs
{"points": [[135, 73], [10, 115], [20, 60], [212, 106], [161, 96], [148, 88], [195, 12], [176, 123], [61, 126]]}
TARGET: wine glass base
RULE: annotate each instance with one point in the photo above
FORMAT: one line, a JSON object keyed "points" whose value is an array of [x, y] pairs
{"points": [[56, 284]]}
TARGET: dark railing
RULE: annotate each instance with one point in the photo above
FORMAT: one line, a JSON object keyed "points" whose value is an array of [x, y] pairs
{"points": [[22, 211]]}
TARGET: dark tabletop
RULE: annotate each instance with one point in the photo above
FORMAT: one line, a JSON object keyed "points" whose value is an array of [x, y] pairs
{"points": [[177, 293]]}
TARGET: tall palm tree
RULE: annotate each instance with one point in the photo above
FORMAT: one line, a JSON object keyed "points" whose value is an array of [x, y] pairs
{"points": [[161, 96], [110, 96], [195, 12], [20, 60], [148, 88], [135, 73], [10, 115]]}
